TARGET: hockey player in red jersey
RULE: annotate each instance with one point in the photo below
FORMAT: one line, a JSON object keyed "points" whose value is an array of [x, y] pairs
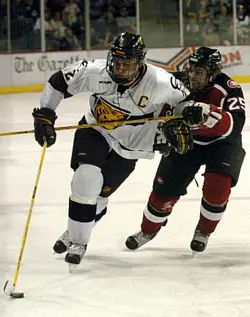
{"points": [[217, 145]]}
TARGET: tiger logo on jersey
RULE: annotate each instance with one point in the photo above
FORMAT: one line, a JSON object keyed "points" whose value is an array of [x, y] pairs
{"points": [[105, 114]]}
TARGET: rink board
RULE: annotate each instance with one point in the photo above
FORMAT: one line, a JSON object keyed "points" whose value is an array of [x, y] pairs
{"points": [[28, 72]]}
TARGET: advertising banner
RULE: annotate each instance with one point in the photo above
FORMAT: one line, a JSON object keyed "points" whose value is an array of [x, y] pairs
{"points": [[33, 69], [236, 61]]}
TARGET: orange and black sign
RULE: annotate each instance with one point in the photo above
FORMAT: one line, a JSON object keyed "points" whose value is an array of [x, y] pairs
{"points": [[177, 62]]}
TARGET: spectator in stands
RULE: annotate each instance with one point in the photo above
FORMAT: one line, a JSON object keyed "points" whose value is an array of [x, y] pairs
{"points": [[130, 5], [72, 9], [108, 39], [205, 26], [221, 6], [30, 10], [126, 22], [67, 19], [192, 32], [47, 25], [226, 3], [246, 5], [96, 9], [211, 38], [58, 29], [223, 23], [48, 33], [17, 10], [78, 29], [81, 5], [203, 12], [242, 25], [228, 39], [212, 7], [57, 25], [110, 6], [190, 7], [55, 6], [110, 29], [69, 42], [23, 17], [95, 39]]}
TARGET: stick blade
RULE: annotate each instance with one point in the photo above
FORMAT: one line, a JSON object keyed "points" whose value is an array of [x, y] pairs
{"points": [[8, 290]]}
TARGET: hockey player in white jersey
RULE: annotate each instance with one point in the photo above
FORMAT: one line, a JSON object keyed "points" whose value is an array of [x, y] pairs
{"points": [[123, 87]]}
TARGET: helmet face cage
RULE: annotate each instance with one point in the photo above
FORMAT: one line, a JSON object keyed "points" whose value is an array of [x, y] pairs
{"points": [[125, 58], [198, 77], [204, 66]]}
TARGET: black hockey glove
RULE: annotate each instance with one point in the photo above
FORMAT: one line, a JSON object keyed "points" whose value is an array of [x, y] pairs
{"points": [[200, 113], [179, 135], [44, 120], [193, 115], [161, 144]]}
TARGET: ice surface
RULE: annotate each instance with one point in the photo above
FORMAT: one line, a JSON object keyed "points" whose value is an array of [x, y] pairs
{"points": [[160, 279]]}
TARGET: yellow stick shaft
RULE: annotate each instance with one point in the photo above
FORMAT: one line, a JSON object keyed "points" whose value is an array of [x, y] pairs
{"points": [[92, 125], [24, 238]]}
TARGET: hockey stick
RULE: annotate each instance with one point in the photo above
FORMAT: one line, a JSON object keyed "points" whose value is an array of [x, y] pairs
{"points": [[92, 125], [11, 291]]}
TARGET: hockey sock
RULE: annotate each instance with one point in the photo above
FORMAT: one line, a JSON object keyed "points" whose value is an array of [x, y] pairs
{"points": [[156, 213], [216, 191]]}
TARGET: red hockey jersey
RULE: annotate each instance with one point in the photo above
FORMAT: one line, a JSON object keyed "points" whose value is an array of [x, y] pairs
{"points": [[226, 97]]}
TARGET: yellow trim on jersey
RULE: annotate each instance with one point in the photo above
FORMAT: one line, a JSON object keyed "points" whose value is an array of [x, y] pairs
{"points": [[182, 141], [140, 77]]}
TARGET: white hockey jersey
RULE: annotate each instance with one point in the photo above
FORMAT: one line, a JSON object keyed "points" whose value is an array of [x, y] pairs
{"points": [[110, 102]]}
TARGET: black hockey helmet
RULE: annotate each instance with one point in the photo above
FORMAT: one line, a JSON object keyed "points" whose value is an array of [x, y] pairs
{"points": [[125, 58], [209, 60]]}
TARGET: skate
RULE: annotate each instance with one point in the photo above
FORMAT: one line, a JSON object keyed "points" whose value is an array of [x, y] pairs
{"points": [[62, 243], [75, 253], [199, 241], [139, 239]]}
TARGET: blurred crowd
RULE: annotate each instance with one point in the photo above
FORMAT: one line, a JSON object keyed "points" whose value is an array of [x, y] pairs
{"points": [[210, 22], [64, 23], [206, 22]]}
